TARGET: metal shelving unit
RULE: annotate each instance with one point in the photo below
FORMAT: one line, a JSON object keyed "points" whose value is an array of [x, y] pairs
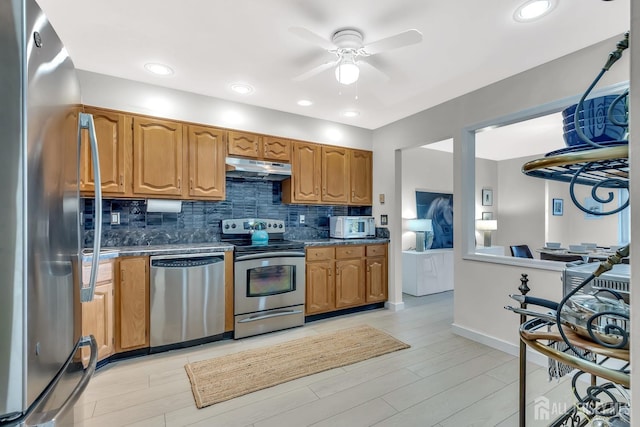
{"points": [[606, 167]]}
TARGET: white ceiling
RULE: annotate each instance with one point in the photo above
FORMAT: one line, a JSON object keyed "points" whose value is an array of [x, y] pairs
{"points": [[212, 43], [537, 136]]}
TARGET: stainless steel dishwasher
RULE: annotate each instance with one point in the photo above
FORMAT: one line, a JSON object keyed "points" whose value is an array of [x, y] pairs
{"points": [[186, 297]]}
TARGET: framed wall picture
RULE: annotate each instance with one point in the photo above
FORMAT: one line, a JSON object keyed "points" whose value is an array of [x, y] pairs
{"points": [[487, 197], [487, 215], [438, 207], [558, 207]]}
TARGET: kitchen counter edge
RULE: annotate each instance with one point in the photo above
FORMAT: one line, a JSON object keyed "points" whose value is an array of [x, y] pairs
{"points": [[343, 242], [187, 248], [114, 252]]}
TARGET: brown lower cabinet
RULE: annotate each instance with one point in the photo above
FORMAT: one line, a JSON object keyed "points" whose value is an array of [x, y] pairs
{"points": [[132, 303], [97, 315], [347, 276]]}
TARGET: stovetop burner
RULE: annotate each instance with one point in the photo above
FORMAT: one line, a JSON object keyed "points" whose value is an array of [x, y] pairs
{"points": [[238, 233]]}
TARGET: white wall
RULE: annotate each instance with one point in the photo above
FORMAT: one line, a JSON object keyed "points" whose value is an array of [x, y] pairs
{"points": [[572, 227], [423, 169], [522, 206], [482, 287], [135, 97]]}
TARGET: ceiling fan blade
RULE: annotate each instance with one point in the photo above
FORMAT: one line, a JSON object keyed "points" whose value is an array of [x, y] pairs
{"points": [[372, 70], [312, 72], [399, 40], [312, 37]]}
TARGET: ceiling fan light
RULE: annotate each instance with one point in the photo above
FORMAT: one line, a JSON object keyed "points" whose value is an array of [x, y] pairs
{"points": [[347, 72]]}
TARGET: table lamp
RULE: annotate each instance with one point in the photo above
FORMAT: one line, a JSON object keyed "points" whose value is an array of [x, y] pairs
{"points": [[486, 225], [424, 233]]}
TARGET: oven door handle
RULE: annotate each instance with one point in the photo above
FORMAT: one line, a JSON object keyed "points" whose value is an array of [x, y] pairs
{"points": [[269, 255], [270, 315]]}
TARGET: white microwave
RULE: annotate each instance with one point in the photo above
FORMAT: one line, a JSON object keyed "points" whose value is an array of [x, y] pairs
{"points": [[352, 227]]}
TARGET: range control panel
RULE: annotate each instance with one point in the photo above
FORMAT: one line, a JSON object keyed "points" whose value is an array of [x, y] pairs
{"points": [[247, 225]]}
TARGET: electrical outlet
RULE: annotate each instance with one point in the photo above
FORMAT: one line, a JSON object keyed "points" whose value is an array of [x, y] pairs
{"points": [[301, 219], [115, 218]]}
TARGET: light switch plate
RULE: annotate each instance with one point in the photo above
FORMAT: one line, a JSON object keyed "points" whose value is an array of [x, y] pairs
{"points": [[115, 218], [382, 199]]}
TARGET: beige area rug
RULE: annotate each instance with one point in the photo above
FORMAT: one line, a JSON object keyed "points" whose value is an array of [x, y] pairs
{"points": [[223, 378]]}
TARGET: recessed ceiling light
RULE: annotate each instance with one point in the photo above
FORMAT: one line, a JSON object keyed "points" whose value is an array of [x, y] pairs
{"points": [[242, 88], [351, 113], [533, 9], [305, 103], [159, 69]]}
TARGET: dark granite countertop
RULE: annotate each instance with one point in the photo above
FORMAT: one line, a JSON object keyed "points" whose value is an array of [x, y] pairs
{"points": [[195, 248], [341, 242], [185, 248]]}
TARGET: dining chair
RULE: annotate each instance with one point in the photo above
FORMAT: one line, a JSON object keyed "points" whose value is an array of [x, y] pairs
{"points": [[521, 251]]}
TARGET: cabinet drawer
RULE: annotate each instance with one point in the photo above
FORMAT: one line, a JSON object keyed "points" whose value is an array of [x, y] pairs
{"points": [[105, 272], [349, 251], [376, 250], [320, 254]]}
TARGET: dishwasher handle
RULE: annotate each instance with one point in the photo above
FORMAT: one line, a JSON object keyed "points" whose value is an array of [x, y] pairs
{"points": [[186, 262]]}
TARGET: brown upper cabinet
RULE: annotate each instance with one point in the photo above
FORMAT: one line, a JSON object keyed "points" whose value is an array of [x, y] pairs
{"points": [[259, 147], [149, 157], [305, 181], [361, 172], [158, 157], [111, 132], [323, 174], [335, 174], [244, 144], [206, 162], [277, 149]]}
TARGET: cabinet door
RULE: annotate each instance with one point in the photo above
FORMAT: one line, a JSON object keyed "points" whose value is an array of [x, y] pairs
{"points": [[350, 287], [132, 304], [361, 171], [306, 174], [97, 320], [244, 144], [335, 175], [158, 158], [277, 149], [206, 163], [111, 133], [320, 287], [376, 280]]}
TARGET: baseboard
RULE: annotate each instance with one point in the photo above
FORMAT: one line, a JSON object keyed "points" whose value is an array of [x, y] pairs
{"points": [[394, 306], [498, 344]]}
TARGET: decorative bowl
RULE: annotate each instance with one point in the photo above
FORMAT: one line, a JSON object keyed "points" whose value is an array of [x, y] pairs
{"points": [[577, 248], [594, 122], [552, 245]]}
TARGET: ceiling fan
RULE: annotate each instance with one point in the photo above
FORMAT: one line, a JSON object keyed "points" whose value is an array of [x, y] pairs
{"points": [[348, 46]]}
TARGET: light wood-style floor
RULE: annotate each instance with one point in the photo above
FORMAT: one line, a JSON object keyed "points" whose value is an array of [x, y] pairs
{"points": [[442, 380]]}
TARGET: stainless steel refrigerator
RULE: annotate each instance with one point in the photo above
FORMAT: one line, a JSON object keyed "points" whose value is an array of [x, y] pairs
{"points": [[41, 374]]}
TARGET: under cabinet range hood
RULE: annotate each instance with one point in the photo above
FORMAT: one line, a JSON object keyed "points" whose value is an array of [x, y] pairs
{"points": [[257, 169]]}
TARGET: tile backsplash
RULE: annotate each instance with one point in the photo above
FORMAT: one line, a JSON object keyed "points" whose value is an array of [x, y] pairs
{"points": [[199, 221]]}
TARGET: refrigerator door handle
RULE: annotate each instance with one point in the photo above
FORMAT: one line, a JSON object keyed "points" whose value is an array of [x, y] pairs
{"points": [[40, 418], [86, 122]]}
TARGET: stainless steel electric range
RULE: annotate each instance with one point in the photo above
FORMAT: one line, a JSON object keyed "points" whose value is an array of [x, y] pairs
{"points": [[269, 279]]}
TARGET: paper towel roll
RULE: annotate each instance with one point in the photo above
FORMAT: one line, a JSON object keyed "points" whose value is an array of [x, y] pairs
{"points": [[158, 205]]}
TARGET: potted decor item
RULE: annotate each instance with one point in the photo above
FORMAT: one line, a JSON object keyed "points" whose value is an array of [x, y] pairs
{"points": [[259, 237]]}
